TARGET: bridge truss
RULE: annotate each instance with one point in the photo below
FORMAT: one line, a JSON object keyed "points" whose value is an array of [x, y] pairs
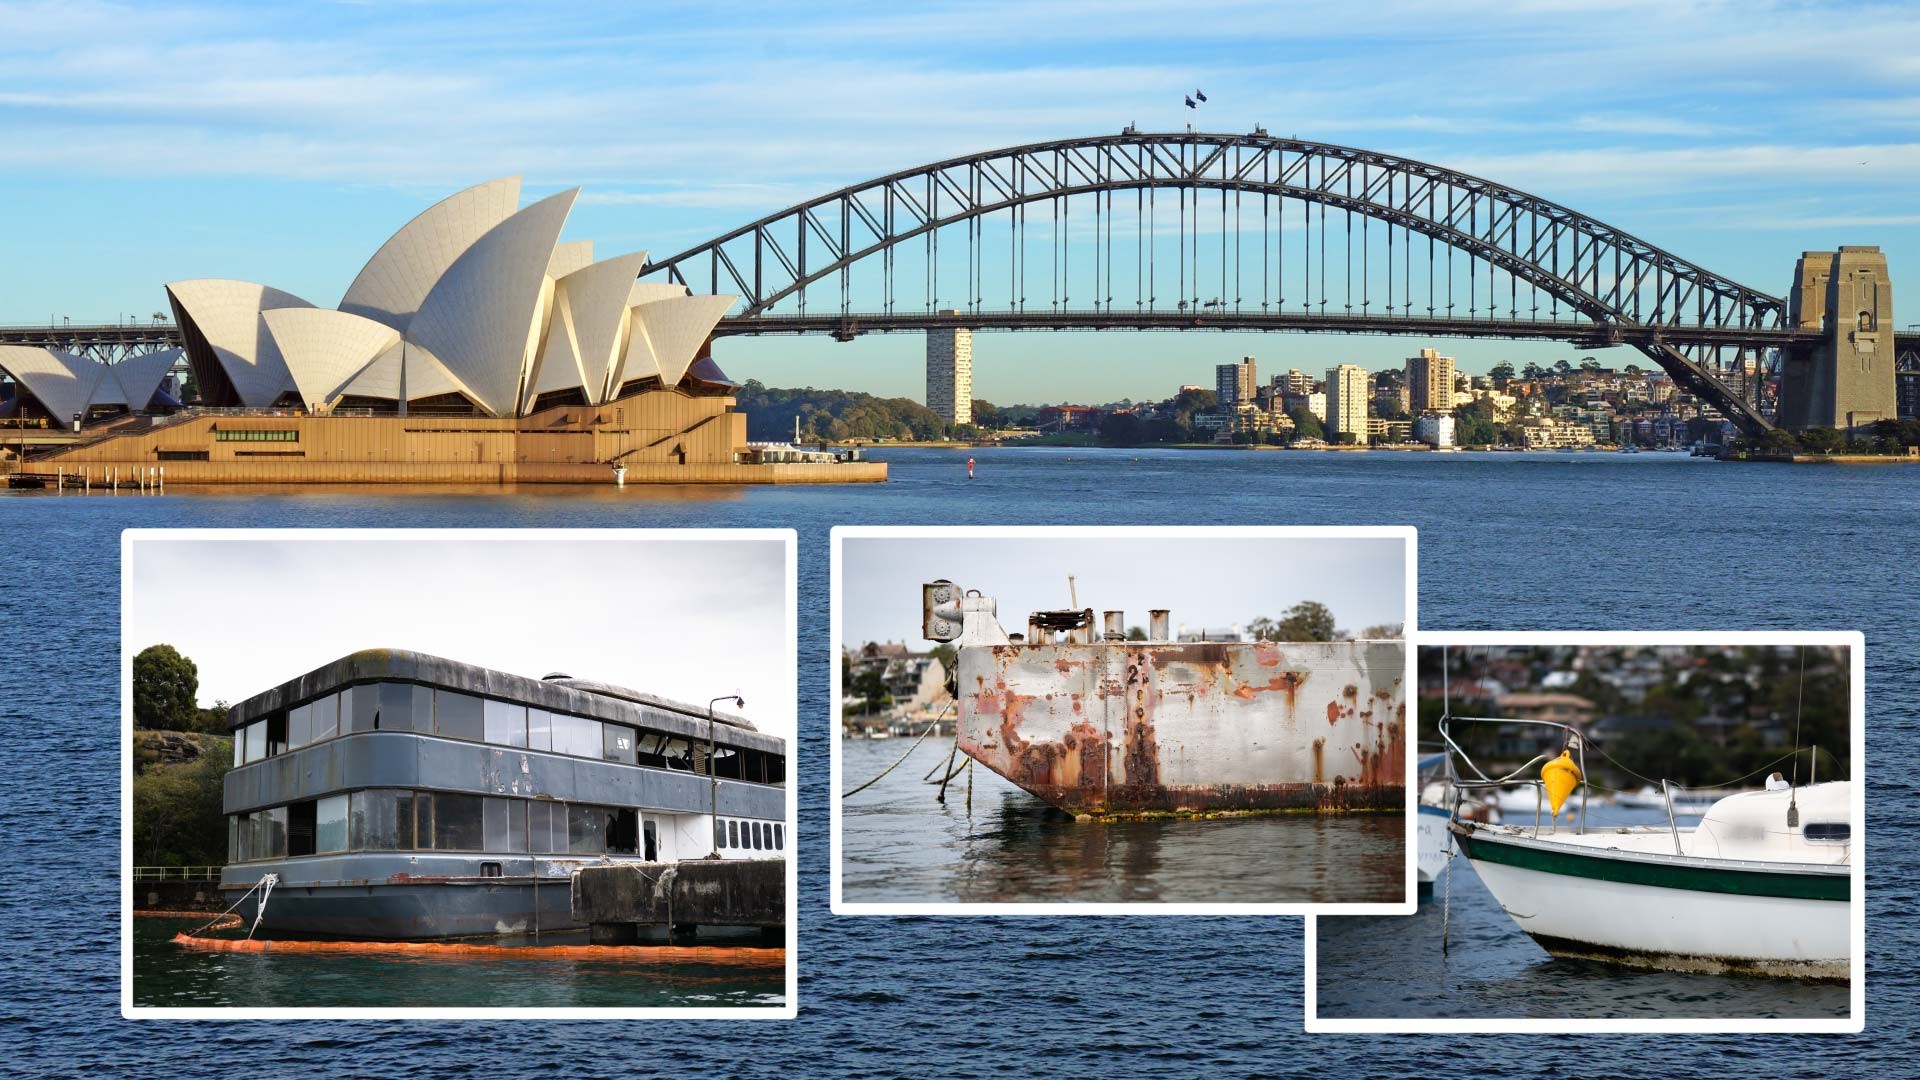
{"points": [[1242, 232]]}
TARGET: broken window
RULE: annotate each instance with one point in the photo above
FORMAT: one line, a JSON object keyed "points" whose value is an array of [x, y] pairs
{"points": [[587, 830], [300, 821], [650, 842], [276, 734], [623, 829], [726, 763]]}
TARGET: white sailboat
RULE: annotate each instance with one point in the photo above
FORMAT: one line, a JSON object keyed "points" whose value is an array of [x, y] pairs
{"points": [[1761, 885]]}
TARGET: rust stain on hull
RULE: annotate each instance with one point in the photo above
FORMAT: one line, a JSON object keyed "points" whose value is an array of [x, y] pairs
{"points": [[1126, 728]]}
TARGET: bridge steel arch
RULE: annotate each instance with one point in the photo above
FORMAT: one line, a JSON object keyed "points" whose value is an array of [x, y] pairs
{"points": [[1617, 287]]}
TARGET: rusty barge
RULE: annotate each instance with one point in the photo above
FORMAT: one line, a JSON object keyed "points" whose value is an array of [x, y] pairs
{"points": [[1098, 725]]}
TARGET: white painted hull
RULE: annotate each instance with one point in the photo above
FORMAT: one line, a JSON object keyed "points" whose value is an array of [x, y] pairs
{"points": [[1672, 929]]}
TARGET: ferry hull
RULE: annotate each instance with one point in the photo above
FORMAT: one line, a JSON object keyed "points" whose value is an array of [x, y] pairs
{"points": [[1701, 920], [417, 912], [1118, 728]]}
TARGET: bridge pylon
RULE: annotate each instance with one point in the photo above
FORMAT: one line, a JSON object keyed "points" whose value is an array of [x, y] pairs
{"points": [[1846, 378]]}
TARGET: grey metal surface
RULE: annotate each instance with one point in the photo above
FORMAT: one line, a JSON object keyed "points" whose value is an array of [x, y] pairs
{"points": [[401, 759], [581, 697]]}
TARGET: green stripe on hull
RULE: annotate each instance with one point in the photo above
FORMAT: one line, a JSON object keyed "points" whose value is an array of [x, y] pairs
{"points": [[1712, 879]]}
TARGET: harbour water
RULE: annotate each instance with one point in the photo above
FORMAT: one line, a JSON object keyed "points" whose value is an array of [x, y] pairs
{"points": [[901, 846], [1384, 968], [1531, 541]]}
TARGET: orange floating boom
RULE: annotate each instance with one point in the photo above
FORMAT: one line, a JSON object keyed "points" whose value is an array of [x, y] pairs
{"points": [[735, 956]]}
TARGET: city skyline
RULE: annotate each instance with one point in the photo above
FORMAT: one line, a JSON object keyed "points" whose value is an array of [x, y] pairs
{"points": [[306, 136]]}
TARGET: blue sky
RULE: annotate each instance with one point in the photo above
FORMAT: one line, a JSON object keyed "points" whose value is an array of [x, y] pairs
{"points": [[162, 141]]}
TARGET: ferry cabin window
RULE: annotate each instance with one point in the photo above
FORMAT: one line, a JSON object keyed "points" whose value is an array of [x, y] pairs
{"points": [[617, 743], [649, 745], [326, 717], [330, 824], [380, 819], [576, 735], [546, 826], [678, 754], [458, 716], [586, 829], [776, 769], [726, 763], [539, 729], [300, 820], [650, 841], [1827, 832], [505, 825], [779, 837], [623, 829], [458, 821], [276, 734], [506, 723], [300, 725], [256, 740], [719, 834], [733, 834]]}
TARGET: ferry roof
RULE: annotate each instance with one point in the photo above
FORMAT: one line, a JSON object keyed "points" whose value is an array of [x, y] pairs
{"points": [[583, 697]]}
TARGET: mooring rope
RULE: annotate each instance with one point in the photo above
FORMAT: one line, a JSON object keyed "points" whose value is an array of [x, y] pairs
{"points": [[237, 920], [903, 757]]}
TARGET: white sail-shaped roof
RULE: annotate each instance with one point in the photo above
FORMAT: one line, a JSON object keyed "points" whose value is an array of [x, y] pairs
{"points": [[62, 382], [227, 314], [675, 330], [396, 281], [325, 349], [138, 377], [584, 338], [646, 292], [568, 257], [480, 317]]}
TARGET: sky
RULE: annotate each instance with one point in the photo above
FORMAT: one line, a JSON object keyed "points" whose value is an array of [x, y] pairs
{"points": [[1209, 582], [687, 619], [283, 143]]}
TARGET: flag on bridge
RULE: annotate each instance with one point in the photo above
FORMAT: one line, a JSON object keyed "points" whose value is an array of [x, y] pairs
{"points": [[1200, 95], [1191, 105]]}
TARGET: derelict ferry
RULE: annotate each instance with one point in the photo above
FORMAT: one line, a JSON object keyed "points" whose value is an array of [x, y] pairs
{"points": [[395, 795], [1094, 724], [1762, 885]]}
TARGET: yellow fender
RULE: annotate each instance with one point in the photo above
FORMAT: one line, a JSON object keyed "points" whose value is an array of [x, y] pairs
{"points": [[1560, 776]]}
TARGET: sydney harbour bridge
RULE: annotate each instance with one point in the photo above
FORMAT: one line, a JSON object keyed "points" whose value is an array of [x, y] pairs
{"points": [[1253, 232]]}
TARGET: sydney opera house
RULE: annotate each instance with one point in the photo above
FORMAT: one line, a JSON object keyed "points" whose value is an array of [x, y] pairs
{"points": [[473, 346]]}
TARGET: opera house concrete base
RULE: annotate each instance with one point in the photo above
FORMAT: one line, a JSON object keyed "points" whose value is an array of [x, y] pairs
{"points": [[658, 436]]}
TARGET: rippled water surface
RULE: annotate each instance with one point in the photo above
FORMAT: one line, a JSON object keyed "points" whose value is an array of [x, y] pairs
{"points": [[1507, 541], [900, 845]]}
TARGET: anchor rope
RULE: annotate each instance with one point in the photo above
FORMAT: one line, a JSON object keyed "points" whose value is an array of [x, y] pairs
{"points": [[903, 757], [236, 903]]}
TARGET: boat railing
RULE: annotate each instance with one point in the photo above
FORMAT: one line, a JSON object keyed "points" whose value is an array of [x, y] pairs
{"points": [[176, 873], [1480, 781]]}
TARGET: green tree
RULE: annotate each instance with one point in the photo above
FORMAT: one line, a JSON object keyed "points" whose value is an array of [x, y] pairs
{"points": [[985, 414], [1306, 425], [1308, 620], [1135, 633], [166, 686], [1533, 371], [1821, 440], [1122, 429], [947, 654], [1502, 374], [1563, 366], [872, 686], [177, 816]]}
